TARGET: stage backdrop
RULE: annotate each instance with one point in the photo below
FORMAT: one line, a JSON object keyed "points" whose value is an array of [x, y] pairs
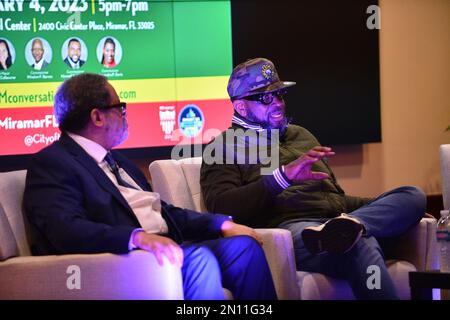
{"points": [[171, 65]]}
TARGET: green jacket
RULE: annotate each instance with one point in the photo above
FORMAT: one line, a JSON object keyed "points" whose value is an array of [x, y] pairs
{"points": [[238, 188]]}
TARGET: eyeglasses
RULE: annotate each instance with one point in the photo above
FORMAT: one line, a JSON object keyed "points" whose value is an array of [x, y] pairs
{"points": [[266, 98], [121, 105]]}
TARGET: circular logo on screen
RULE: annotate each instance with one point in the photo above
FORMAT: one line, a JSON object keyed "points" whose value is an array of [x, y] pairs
{"points": [[191, 120]]}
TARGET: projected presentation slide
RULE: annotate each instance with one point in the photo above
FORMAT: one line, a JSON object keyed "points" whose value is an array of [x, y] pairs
{"points": [[169, 60]]}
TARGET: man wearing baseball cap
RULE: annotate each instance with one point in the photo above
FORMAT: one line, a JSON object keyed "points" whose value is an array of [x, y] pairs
{"points": [[333, 233]]}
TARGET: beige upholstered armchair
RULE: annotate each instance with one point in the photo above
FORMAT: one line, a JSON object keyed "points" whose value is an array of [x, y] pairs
{"points": [[444, 152], [79, 276], [178, 182]]}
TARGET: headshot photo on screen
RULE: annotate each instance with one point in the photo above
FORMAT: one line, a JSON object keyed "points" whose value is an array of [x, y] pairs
{"points": [[109, 52], [7, 54], [38, 53], [74, 52]]}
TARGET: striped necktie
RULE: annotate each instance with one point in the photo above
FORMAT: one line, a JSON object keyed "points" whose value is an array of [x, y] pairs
{"points": [[112, 164]]}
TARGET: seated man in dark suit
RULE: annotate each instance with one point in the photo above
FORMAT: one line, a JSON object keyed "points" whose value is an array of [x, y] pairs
{"points": [[81, 197]]}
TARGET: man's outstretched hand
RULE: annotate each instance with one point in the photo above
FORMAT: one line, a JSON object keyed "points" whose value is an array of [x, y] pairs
{"points": [[300, 168]]}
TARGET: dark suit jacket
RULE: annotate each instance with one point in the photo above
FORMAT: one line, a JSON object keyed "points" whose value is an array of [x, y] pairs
{"points": [[66, 60], [73, 207]]}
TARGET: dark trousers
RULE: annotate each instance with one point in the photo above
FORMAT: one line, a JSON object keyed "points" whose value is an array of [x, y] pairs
{"points": [[387, 216], [236, 263]]}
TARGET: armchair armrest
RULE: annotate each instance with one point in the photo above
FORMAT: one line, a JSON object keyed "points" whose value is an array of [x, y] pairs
{"points": [[417, 246], [136, 275], [279, 251]]}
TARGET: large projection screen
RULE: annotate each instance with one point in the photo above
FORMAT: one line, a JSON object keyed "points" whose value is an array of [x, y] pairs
{"points": [[171, 65]]}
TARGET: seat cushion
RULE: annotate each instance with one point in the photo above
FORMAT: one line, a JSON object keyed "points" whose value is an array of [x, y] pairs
{"points": [[399, 271], [12, 185], [192, 174], [8, 245], [316, 286]]}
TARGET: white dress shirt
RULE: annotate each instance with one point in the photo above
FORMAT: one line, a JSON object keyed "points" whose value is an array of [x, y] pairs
{"points": [[145, 205], [38, 65], [74, 65]]}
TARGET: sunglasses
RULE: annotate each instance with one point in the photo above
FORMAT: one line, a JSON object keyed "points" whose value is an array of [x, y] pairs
{"points": [[266, 98], [121, 105]]}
